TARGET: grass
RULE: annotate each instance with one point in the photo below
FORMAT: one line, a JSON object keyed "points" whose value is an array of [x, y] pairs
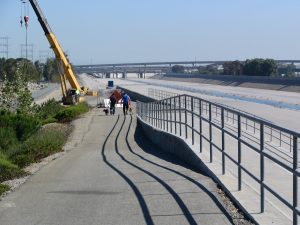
{"points": [[37, 147], [8, 169], [3, 188]]}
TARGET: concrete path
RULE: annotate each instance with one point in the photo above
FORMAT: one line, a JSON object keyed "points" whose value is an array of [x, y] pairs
{"points": [[114, 176]]}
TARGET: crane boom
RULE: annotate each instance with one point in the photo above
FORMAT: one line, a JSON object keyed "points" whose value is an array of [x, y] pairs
{"points": [[59, 54]]}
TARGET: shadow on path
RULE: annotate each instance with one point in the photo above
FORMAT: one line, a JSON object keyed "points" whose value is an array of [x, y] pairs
{"points": [[176, 197], [136, 191], [145, 145]]}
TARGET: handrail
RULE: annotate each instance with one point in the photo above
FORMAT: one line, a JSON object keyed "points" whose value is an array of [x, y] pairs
{"points": [[193, 116]]}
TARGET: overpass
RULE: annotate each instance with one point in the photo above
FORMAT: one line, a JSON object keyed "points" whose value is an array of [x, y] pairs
{"points": [[149, 67]]}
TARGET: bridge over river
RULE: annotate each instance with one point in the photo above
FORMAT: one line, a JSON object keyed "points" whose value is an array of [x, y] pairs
{"points": [[122, 69]]}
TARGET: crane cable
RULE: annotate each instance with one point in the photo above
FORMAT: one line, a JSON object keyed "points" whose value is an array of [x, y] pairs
{"points": [[21, 15], [24, 13]]}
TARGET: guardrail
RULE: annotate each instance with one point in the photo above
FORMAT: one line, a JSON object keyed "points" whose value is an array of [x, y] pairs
{"points": [[228, 133]]}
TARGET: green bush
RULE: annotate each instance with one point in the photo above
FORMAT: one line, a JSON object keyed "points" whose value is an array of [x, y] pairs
{"points": [[8, 170], [8, 138], [72, 112], [3, 188], [23, 125], [49, 120], [38, 146], [49, 109]]}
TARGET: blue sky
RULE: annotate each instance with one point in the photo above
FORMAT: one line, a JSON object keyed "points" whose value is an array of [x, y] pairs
{"points": [[114, 31]]}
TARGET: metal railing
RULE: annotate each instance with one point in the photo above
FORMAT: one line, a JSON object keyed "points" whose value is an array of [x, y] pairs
{"points": [[281, 142], [160, 94], [229, 134]]}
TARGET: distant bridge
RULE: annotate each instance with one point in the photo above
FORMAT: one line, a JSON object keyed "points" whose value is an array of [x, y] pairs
{"points": [[148, 67]]}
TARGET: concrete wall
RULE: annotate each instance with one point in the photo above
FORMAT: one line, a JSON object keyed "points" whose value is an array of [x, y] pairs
{"points": [[272, 83], [173, 145]]}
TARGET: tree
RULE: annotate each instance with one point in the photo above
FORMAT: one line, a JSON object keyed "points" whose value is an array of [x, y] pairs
{"points": [[260, 67], [233, 68], [2, 63], [40, 68], [177, 69], [9, 67], [50, 71], [290, 70], [14, 94], [268, 67], [28, 70]]}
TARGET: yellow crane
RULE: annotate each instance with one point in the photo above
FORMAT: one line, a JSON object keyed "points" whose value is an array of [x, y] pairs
{"points": [[73, 95]]}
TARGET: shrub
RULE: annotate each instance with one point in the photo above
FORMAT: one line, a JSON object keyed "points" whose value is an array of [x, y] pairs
{"points": [[8, 138], [49, 109], [49, 120], [23, 125], [3, 188], [38, 146], [72, 112], [8, 170]]}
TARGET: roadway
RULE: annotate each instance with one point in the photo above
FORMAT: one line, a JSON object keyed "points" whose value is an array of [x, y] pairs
{"points": [[114, 176]]}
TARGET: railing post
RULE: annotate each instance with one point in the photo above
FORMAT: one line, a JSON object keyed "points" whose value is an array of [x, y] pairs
{"points": [[295, 180], [160, 115], [167, 114], [280, 138], [291, 147], [271, 134], [175, 111], [262, 168], [210, 135], [171, 125], [227, 118], [192, 109], [185, 116], [163, 111], [142, 110], [239, 153], [180, 131], [147, 113], [155, 106], [200, 124], [151, 112], [223, 141], [157, 113]]}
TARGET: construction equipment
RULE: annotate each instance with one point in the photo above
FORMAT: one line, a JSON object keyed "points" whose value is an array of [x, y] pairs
{"points": [[76, 93]]}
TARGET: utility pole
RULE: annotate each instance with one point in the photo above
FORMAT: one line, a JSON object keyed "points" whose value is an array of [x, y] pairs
{"points": [[4, 46], [27, 51], [44, 55]]}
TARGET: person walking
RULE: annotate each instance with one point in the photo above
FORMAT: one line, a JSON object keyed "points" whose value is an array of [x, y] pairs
{"points": [[112, 106], [125, 101]]}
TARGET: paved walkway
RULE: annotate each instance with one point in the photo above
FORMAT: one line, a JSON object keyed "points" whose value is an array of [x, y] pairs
{"points": [[114, 176]]}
